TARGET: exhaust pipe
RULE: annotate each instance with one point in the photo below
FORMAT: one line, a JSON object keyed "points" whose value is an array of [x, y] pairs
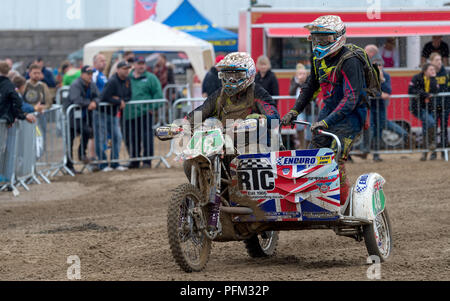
{"points": [[237, 210]]}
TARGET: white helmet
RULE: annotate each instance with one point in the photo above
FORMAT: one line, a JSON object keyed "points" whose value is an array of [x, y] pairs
{"points": [[327, 35], [237, 72]]}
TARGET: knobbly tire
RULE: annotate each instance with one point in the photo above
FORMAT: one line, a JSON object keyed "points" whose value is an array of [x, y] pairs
{"points": [[190, 247], [262, 245], [379, 240]]}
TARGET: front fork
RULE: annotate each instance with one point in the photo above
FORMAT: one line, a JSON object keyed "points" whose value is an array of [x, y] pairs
{"points": [[214, 199], [214, 227]]}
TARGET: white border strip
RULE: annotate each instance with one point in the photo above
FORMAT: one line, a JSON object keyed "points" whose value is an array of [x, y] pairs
{"points": [[358, 24], [344, 10]]}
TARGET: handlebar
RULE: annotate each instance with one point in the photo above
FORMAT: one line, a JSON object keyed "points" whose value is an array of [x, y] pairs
{"points": [[169, 132], [322, 132]]}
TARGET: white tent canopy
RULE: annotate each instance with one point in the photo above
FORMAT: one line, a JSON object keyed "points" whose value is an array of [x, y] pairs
{"points": [[153, 36]]}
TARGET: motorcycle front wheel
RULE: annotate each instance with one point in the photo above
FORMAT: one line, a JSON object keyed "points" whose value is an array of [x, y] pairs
{"points": [[189, 245]]}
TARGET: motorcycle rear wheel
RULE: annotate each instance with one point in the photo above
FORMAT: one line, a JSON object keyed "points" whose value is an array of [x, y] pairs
{"points": [[262, 245], [189, 245]]}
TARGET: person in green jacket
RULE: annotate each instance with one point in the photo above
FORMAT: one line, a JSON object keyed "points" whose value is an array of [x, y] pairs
{"points": [[138, 119], [71, 75]]}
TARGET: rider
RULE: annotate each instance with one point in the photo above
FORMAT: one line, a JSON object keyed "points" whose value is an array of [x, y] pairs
{"points": [[240, 97], [345, 110]]}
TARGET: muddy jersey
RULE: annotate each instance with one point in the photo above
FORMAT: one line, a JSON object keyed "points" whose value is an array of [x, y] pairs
{"points": [[343, 92], [254, 100]]}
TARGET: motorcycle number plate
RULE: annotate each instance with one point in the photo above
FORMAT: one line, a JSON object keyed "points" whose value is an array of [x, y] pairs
{"points": [[207, 142]]}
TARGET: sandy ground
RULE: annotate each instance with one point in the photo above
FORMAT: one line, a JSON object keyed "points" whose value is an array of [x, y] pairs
{"points": [[116, 224]]}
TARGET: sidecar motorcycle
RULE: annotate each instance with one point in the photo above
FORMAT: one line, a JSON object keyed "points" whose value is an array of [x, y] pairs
{"points": [[249, 197]]}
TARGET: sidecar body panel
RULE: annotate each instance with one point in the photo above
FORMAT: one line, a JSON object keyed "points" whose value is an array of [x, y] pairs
{"points": [[300, 185]]}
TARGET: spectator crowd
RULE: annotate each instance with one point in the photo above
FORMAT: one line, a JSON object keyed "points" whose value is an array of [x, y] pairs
{"points": [[100, 127]]}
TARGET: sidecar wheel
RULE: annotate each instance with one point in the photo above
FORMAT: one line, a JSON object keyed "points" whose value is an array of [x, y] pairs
{"points": [[378, 238], [262, 245], [189, 245]]}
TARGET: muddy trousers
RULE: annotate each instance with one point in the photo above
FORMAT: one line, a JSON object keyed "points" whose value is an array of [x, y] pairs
{"points": [[346, 138]]}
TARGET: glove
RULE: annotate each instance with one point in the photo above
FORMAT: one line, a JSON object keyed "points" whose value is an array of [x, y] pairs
{"points": [[318, 125], [289, 117], [256, 116]]}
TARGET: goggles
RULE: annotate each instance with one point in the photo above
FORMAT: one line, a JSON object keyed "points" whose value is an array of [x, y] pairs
{"points": [[322, 39], [232, 77]]}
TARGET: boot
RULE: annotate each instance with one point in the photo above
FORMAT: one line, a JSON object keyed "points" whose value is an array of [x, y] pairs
{"points": [[345, 195], [424, 157], [433, 156], [376, 158], [362, 156], [345, 186]]}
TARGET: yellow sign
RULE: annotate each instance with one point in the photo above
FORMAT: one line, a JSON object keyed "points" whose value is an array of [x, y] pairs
{"points": [[192, 27], [322, 160], [223, 43]]}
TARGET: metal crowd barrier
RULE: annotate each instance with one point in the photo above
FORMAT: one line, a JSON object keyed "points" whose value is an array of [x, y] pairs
{"points": [[51, 146], [183, 106], [128, 138], [392, 126], [404, 124], [396, 126], [393, 129], [172, 92], [29, 150], [18, 156], [180, 108], [290, 135], [62, 95], [25, 155]]}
